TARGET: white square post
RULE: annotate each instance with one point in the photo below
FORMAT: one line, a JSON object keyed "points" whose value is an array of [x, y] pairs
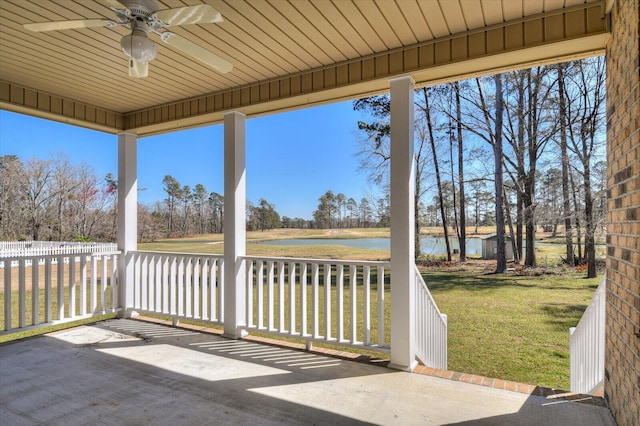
{"points": [[402, 225], [235, 194], [127, 218]]}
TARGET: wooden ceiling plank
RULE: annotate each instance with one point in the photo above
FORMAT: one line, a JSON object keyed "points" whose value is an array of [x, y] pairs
{"points": [[397, 21], [379, 23], [301, 43], [239, 37], [356, 20], [454, 17], [331, 37], [346, 29], [532, 7], [472, 13], [415, 18], [549, 5], [435, 19], [268, 30], [512, 10], [492, 12]]}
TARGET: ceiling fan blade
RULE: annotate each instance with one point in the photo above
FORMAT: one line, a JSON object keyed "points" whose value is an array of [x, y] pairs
{"points": [[67, 25], [200, 14], [199, 53], [138, 69]]}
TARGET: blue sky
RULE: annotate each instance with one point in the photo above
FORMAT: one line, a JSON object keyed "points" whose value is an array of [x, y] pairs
{"points": [[292, 158]]}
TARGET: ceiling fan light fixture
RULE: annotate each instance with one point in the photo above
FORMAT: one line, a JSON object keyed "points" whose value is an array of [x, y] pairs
{"points": [[138, 46]]}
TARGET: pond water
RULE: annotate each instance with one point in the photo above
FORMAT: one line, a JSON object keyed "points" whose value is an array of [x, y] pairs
{"points": [[429, 245]]}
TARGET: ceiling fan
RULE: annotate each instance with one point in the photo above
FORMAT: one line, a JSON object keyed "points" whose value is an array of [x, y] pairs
{"points": [[143, 17]]}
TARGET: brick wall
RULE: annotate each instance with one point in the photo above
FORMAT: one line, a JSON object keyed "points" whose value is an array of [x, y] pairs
{"points": [[622, 355]]}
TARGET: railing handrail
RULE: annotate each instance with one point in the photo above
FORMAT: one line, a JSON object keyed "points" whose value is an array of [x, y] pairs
{"points": [[320, 261], [181, 254]]}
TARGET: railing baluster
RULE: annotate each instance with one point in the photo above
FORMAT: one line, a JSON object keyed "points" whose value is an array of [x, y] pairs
{"points": [[180, 286], [189, 284], [381, 324], [270, 296], [281, 304], [327, 301], [340, 302], [35, 291], [220, 288], [197, 289], [205, 289], [143, 261], [103, 285], [172, 286], [315, 272], [303, 299], [114, 281], [354, 309], [260, 270], [72, 286], [292, 297], [83, 285], [94, 284], [213, 289], [165, 284], [47, 291], [249, 299], [7, 296], [366, 278], [22, 293], [138, 281], [60, 284]]}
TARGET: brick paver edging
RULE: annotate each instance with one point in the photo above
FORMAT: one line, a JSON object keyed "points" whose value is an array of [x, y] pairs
{"points": [[508, 385]]}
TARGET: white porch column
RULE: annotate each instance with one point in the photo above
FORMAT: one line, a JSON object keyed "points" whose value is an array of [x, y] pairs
{"points": [[402, 225], [127, 218], [234, 224]]}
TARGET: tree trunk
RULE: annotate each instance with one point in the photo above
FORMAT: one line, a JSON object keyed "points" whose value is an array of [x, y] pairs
{"points": [[462, 237], [574, 192], [566, 202], [589, 237], [437, 170], [501, 261], [516, 257]]}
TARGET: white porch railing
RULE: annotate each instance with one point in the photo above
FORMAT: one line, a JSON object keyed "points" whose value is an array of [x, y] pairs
{"points": [[339, 302], [180, 285], [587, 345], [49, 289], [431, 328]]}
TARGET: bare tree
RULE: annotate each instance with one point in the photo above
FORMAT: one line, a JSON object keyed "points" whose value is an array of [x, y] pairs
{"points": [[501, 260]]}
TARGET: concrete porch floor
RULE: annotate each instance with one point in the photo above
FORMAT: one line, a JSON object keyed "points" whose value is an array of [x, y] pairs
{"points": [[128, 372]]}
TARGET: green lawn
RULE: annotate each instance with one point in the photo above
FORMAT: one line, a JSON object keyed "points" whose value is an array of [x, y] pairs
{"points": [[511, 327]]}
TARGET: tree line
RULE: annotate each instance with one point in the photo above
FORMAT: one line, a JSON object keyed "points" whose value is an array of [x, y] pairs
{"points": [[531, 142], [53, 199]]}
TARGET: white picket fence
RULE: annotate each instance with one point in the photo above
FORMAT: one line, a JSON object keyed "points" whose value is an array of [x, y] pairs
{"points": [[346, 300], [587, 345], [431, 328], [50, 289], [18, 249]]}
